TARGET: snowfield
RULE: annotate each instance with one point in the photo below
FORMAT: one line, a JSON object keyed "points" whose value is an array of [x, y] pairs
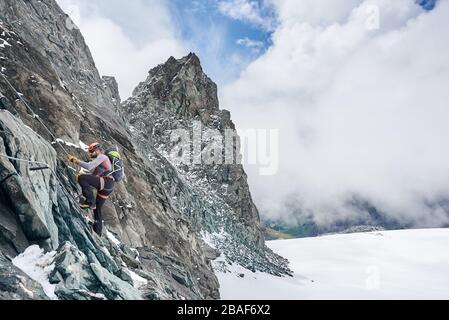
{"points": [[406, 264]]}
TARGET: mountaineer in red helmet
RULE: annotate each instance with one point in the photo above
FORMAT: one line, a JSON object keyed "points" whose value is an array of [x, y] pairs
{"points": [[97, 184]]}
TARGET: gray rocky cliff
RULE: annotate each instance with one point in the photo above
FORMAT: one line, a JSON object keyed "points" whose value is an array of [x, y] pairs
{"points": [[178, 97], [159, 218]]}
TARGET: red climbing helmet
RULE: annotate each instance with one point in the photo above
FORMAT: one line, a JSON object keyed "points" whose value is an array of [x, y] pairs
{"points": [[94, 146]]}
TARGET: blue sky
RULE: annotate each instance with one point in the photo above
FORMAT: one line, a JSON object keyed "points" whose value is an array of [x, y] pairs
{"points": [[219, 39], [427, 4]]}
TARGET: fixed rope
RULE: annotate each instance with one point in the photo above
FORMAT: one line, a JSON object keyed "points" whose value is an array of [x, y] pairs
{"points": [[27, 161], [43, 167], [35, 116]]}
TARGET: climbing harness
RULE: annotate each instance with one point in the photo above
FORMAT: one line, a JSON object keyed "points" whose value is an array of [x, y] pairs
{"points": [[101, 184], [102, 196]]}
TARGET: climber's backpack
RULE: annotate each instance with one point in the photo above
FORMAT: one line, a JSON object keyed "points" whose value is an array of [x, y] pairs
{"points": [[116, 162]]}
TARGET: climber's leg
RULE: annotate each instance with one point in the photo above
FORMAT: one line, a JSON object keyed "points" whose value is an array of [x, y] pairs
{"points": [[102, 196], [98, 224], [89, 184]]}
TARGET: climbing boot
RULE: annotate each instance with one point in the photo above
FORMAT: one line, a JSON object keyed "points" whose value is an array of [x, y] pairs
{"points": [[87, 206]]}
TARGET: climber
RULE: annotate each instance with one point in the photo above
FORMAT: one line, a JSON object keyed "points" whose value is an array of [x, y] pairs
{"points": [[98, 183]]}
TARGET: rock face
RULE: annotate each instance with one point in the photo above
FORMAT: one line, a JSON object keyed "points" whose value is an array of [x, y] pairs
{"points": [[158, 218], [77, 277], [179, 102], [32, 194]]}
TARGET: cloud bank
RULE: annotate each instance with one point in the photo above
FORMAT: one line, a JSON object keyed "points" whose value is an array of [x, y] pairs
{"points": [[363, 111]]}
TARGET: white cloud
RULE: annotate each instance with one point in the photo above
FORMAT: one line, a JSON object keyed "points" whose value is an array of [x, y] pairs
{"points": [[126, 53], [315, 12], [361, 112], [254, 45], [250, 11]]}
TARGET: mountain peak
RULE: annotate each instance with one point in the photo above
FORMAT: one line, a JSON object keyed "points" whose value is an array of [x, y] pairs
{"points": [[183, 86], [172, 67], [191, 58]]}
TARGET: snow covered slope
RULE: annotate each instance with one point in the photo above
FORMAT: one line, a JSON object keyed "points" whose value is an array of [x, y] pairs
{"points": [[408, 264]]}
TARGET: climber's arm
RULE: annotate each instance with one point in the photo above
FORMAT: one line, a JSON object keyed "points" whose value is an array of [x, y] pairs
{"points": [[91, 166]]}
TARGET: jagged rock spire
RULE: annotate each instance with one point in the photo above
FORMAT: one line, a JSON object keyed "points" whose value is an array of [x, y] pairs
{"points": [[183, 86]]}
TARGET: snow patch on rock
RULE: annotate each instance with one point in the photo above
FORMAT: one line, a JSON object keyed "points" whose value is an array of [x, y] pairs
{"points": [[66, 143], [112, 238], [137, 280], [38, 266]]}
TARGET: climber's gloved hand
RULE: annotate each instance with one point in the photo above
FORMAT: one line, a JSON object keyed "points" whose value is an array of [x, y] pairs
{"points": [[78, 175], [73, 159]]}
